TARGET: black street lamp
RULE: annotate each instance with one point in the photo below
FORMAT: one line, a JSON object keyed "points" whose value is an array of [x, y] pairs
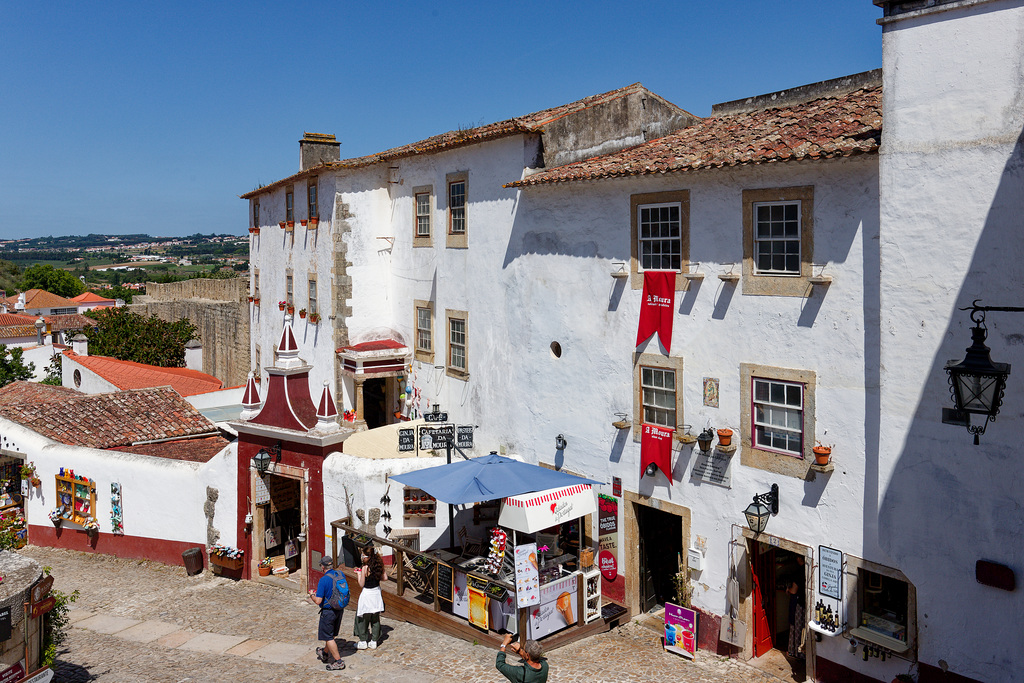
{"points": [[764, 506], [262, 458], [977, 383]]}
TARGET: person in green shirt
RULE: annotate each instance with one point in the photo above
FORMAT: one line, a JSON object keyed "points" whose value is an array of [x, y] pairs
{"points": [[534, 668]]}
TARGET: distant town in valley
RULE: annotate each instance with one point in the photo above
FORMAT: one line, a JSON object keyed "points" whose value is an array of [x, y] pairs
{"points": [[129, 261]]}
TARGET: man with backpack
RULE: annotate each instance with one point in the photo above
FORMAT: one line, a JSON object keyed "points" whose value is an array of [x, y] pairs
{"points": [[331, 595]]}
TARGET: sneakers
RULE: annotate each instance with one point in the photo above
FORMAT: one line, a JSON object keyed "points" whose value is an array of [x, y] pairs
{"points": [[372, 645], [361, 645], [322, 654], [336, 665]]}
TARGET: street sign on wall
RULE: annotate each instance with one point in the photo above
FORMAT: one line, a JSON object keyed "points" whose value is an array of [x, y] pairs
{"points": [[437, 437], [406, 440], [464, 436], [435, 417], [830, 572]]}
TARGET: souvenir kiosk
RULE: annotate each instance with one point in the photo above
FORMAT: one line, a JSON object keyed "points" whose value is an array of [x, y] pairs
{"points": [[532, 575]]}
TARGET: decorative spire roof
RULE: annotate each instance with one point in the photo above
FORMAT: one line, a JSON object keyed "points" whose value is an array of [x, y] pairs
{"points": [[288, 404], [287, 348], [326, 412], [250, 399]]}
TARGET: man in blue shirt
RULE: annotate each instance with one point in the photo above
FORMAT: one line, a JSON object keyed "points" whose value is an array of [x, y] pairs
{"points": [[330, 619]]}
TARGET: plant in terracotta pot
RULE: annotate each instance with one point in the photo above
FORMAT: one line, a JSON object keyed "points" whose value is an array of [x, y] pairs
{"points": [[281, 304], [724, 436], [302, 312], [314, 318], [822, 453], [266, 566], [303, 222], [291, 309], [283, 224], [313, 222]]}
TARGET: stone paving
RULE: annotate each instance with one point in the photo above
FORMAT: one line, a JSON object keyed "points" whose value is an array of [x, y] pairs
{"points": [[138, 620]]}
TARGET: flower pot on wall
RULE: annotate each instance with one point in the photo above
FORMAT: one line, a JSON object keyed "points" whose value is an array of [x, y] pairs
{"points": [[724, 437], [822, 454], [313, 222], [291, 310], [281, 306], [265, 571], [303, 223], [283, 224]]}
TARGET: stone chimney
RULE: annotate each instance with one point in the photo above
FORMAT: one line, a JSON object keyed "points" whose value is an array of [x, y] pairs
{"points": [[20, 306], [318, 148], [194, 355], [80, 344]]}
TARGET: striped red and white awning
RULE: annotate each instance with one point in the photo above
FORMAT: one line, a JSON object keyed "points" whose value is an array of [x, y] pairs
{"points": [[532, 512]]}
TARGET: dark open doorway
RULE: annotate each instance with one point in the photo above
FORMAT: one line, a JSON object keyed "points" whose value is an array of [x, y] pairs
{"points": [[780, 610], [661, 546], [375, 411]]}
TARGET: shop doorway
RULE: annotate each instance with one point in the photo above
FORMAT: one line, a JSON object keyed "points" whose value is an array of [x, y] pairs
{"points": [[660, 534], [282, 521], [779, 596], [375, 402]]}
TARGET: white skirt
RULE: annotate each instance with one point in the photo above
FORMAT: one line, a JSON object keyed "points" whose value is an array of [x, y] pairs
{"points": [[370, 601]]}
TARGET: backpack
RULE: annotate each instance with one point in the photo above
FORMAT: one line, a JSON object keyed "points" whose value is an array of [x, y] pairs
{"points": [[339, 593]]}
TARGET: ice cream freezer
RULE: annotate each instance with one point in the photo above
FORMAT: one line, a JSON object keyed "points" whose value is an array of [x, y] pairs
{"points": [[557, 608]]}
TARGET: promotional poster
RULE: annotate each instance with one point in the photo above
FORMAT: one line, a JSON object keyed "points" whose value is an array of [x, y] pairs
{"points": [[680, 630], [613, 585]]}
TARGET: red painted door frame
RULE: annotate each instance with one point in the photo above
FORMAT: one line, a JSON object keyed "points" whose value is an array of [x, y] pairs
{"points": [[762, 571]]}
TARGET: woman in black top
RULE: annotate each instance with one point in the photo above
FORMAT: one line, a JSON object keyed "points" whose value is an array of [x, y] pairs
{"points": [[371, 602]]}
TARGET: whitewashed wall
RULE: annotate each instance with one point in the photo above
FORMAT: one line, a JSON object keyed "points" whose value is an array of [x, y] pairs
{"points": [[92, 383], [162, 498], [952, 188]]}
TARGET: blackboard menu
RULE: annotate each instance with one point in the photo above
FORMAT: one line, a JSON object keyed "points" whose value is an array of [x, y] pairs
{"points": [[445, 579]]}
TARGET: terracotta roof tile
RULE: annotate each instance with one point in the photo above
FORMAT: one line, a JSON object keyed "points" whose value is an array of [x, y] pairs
{"points": [[34, 392], [110, 420], [69, 321], [91, 298], [832, 126], [192, 450], [11, 319], [40, 298], [530, 123], [125, 374], [15, 331]]}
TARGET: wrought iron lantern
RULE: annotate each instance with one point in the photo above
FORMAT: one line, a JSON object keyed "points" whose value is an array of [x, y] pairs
{"points": [[764, 506], [263, 457], [977, 383], [705, 438], [560, 443]]}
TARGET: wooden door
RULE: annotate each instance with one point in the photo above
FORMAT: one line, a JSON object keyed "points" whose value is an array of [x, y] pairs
{"points": [[762, 571]]}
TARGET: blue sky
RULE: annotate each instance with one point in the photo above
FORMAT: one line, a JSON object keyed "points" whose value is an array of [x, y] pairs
{"points": [[120, 117]]}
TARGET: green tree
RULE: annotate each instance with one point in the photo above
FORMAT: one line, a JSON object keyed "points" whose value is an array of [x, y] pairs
{"points": [[53, 280], [12, 365], [10, 276], [122, 334], [116, 293], [54, 371]]}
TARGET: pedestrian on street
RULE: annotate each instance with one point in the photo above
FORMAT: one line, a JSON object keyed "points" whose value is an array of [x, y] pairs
{"points": [[330, 619], [371, 602], [534, 668]]}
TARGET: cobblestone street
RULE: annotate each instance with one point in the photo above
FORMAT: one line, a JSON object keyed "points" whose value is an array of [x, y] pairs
{"points": [[143, 621]]}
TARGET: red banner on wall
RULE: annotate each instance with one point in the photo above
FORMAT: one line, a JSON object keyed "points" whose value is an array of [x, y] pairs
{"points": [[656, 447], [657, 310]]}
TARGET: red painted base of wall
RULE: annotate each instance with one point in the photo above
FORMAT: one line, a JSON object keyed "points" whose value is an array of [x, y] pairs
{"points": [[105, 543], [709, 626], [828, 671], [933, 674]]}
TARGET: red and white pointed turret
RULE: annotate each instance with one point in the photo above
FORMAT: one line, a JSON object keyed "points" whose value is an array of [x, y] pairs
{"points": [[326, 412], [250, 399], [288, 348]]}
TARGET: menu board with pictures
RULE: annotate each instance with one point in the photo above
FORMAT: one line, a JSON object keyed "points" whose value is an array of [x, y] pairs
{"points": [[527, 575], [445, 580]]}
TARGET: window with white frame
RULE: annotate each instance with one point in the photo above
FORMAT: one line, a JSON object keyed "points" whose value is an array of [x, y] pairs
{"points": [[457, 365], [63, 311], [658, 396], [457, 207], [289, 205], [424, 329], [289, 289], [314, 211], [778, 416], [777, 238], [423, 214], [311, 306], [660, 236]]}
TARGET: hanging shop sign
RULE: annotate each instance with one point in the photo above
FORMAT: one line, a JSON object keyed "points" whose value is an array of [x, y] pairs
{"points": [[435, 417], [406, 440], [527, 575], [617, 486], [680, 630], [464, 436], [608, 546], [437, 437]]}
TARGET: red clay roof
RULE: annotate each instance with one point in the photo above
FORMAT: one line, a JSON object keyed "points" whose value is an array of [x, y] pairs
{"points": [[90, 298], [530, 123], [34, 392], [834, 126], [377, 345], [40, 298], [11, 319], [109, 420], [192, 450], [69, 321], [15, 331], [125, 374]]}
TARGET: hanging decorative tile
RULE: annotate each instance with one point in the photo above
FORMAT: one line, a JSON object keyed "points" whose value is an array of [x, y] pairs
{"points": [[711, 392], [260, 492]]}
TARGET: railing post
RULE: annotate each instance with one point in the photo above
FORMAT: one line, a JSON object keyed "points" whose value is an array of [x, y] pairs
{"points": [[401, 571]]}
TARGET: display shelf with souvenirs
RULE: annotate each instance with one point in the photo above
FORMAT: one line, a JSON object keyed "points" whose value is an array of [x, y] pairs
{"points": [[592, 594], [417, 504], [76, 496], [10, 483]]}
